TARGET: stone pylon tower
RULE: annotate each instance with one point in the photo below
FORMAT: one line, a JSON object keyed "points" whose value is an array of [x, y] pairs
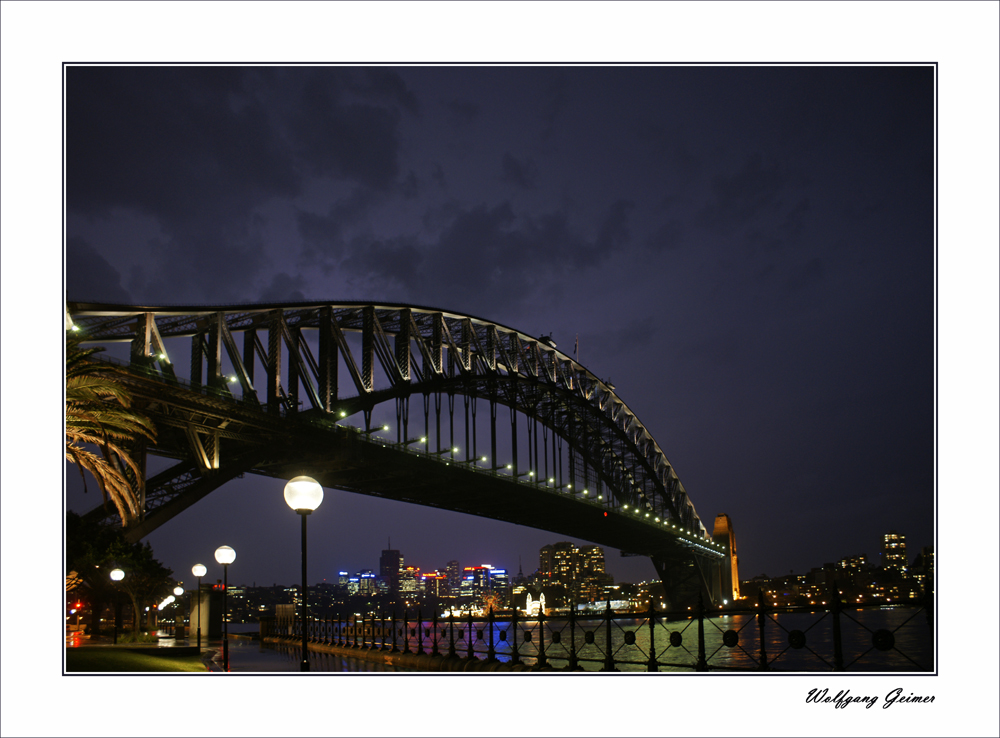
{"points": [[724, 534]]}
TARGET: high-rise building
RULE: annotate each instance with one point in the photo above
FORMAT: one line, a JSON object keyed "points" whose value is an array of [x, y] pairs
{"points": [[724, 534], [579, 569], [454, 573], [558, 562], [894, 552], [477, 580], [389, 566]]}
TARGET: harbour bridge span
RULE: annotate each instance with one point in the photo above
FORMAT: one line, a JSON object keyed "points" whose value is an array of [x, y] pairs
{"points": [[403, 402]]}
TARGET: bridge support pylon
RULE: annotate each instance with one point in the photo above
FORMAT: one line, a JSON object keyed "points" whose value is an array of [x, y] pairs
{"points": [[689, 579]]}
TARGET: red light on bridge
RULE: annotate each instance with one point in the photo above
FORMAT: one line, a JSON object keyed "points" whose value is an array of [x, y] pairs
{"points": [[605, 513]]}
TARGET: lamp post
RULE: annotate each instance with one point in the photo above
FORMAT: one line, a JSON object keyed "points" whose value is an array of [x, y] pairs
{"points": [[178, 591], [303, 495], [116, 576], [225, 555], [199, 571]]}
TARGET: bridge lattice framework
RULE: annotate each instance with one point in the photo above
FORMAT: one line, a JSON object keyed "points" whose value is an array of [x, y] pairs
{"points": [[392, 353]]}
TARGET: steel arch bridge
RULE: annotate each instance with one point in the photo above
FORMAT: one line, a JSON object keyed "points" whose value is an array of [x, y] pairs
{"points": [[567, 455]]}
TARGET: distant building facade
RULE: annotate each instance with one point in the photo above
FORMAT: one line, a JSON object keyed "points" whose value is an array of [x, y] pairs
{"points": [[894, 552]]}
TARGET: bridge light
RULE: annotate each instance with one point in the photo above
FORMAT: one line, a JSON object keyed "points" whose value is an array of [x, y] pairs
{"points": [[531, 473], [75, 328], [600, 497], [551, 480], [423, 439], [385, 427], [510, 466], [569, 486], [343, 414], [233, 378], [626, 507], [482, 458]]}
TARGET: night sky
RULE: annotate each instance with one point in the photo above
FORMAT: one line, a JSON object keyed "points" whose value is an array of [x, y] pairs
{"points": [[746, 252], [749, 253]]}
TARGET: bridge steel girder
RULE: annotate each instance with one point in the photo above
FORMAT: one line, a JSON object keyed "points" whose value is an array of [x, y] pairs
{"points": [[485, 360]]}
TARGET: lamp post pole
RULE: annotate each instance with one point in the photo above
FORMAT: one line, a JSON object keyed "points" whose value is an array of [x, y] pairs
{"points": [[178, 591], [305, 592], [303, 495], [225, 555], [116, 576], [199, 571]]}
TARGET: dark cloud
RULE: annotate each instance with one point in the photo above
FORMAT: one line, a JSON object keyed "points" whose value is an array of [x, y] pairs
{"points": [[554, 102], [752, 192], [462, 111], [89, 277], [518, 173], [614, 233], [437, 174], [169, 141], [486, 258], [283, 288], [667, 236], [357, 141]]}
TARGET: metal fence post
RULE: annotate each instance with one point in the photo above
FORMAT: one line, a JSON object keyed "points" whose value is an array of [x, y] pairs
{"points": [[541, 638], [469, 635], [651, 664], [702, 664], [760, 630], [420, 632], [572, 640], [434, 649], [451, 635], [491, 654], [395, 648], [838, 645], [515, 657], [609, 655], [406, 631]]}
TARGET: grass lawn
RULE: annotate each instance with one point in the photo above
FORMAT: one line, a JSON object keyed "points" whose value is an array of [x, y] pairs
{"points": [[97, 658]]}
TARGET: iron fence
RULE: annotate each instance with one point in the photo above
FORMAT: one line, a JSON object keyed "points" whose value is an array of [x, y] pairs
{"points": [[762, 638]]}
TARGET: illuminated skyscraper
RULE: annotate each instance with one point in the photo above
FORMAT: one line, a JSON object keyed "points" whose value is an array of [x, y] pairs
{"points": [[894, 552], [725, 535], [454, 572], [558, 562]]}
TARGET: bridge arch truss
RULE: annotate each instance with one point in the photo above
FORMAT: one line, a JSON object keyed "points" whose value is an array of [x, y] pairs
{"points": [[262, 365]]}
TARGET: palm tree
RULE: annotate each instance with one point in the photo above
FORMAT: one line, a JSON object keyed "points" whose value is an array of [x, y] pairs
{"points": [[98, 414]]}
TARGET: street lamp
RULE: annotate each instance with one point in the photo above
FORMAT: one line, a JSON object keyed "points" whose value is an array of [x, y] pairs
{"points": [[178, 591], [116, 576], [199, 571], [225, 555], [303, 495]]}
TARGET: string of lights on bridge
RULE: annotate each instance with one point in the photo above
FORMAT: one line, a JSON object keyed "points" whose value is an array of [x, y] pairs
{"points": [[366, 435]]}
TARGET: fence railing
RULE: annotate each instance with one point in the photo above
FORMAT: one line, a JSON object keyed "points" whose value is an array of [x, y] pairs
{"points": [[764, 638]]}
